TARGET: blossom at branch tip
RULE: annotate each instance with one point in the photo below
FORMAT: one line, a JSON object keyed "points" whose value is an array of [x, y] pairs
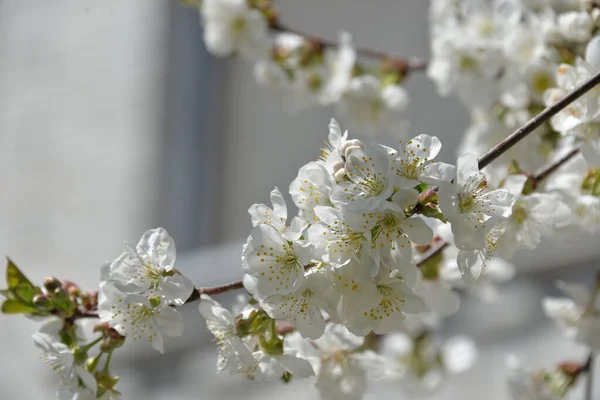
{"points": [[148, 270]]}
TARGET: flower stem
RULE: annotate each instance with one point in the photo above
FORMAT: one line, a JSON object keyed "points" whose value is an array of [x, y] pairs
{"points": [[106, 368], [538, 120], [589, 384], [92, 344]]}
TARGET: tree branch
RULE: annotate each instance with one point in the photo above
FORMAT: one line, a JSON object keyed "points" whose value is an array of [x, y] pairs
{"points": [[407, 65], [543, 174], [538, 120]]}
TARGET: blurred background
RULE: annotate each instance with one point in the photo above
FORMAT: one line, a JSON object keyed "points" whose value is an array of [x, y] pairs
{"points": [[114, 119]]}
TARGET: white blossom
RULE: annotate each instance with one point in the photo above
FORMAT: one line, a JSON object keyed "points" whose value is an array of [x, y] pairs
{"points": [[312, 187], [371, 107], [277, 263], [469, 204], [233, 26], [75, 380], [526, 384], [578, 316], [138, 317], [414, 163], [147, 269], [234, 355]]}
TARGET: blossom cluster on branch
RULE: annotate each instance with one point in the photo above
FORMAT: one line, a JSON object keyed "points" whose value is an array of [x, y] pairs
{"points": [[352, 288], [506, 60], [303, 71]]}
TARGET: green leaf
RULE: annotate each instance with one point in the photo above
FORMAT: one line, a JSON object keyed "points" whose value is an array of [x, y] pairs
{"points": [[6, 293], [26, 292], [14, 276], [15, 307]]}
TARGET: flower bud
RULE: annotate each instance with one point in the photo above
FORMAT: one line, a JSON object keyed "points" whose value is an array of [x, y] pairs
{"points": [[349, 146], [42, 302], [51, 284], [340, 175]]}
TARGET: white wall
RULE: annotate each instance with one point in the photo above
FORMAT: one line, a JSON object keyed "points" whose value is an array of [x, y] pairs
{"points": [[81, 119]]}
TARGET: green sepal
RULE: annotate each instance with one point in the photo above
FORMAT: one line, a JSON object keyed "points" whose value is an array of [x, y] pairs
{"points": [[11, 306], [286, 377], [421, 187]]}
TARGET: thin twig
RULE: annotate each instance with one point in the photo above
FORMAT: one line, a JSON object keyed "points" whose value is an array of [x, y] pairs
{"points": [[543, 174], [406, 64], [538, 120]]}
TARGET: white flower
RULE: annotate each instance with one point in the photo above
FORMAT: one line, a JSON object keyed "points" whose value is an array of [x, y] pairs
{"points": [[337, 149], [526, 384], [464, 66], [343, 373], [581, 117], [368, 181], [339, 235], [533, 216], [277, 263], [371, 108], [75, 380], [496, 271], [138, 317], [392, 232], [340, 65], [277, 216], [574, 182], [394, 299], [234, 355], [438, 296], [578, 316], [303, 306], [421, 365], [148, 269], [414, 163], [312, 187], [231, 25], [576, 25], [274, 366], [469, 204]]}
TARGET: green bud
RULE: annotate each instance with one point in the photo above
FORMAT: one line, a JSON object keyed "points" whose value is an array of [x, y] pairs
{"points": [[62, 299], [51, 284]]}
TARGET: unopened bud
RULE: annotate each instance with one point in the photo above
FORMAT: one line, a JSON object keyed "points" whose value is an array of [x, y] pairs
{"points": [[349, 146], [71, 288], [428, 196], [51, 284], [42, 302], [340, 175]]}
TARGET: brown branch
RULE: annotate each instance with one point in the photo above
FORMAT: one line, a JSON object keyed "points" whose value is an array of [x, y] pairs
{"points": [[543, 174], [538, 120], [406, 65]]}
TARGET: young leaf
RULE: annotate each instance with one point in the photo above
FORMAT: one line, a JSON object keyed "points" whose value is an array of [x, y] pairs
{"points": [[14, 276], [15, 307]]}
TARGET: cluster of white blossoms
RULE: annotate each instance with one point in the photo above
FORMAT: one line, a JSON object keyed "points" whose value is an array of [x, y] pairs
{"points": [[139, 289], [383, 240], [506, 60], [303, 71]]}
